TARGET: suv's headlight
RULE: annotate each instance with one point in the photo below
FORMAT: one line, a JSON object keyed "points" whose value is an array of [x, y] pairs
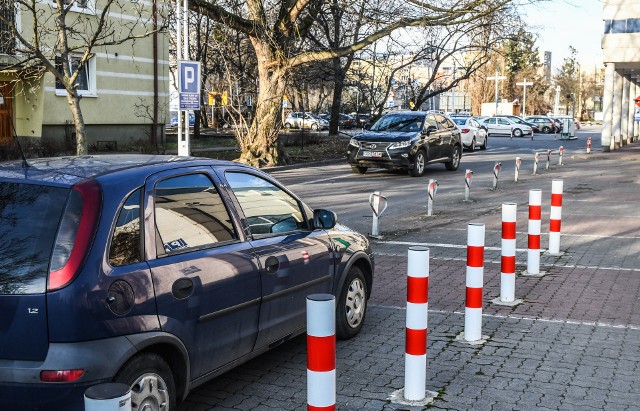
{"points": [[354, 142], [400, 144]]}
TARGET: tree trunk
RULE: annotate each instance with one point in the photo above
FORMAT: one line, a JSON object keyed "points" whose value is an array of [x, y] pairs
{"points": [[338, 86], [82, 146], [261, 147]]}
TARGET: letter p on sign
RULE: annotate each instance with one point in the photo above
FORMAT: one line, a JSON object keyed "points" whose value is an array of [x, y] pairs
{"points": [[189, 76]]}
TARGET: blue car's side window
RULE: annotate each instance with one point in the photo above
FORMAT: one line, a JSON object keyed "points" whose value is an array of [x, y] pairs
{"points": [[190, 214], [267, 208], [125, 239]]}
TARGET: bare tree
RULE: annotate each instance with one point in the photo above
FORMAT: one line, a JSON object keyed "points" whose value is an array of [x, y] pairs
{"points": [[63, 35], [278, 30]]}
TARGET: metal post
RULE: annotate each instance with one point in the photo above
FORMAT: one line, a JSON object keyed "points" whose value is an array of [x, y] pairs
{"points": [[496, 172], [378, 204], [560, 155], [110, 396], [535, 163], [517, 172], [415, 359], [467, 184], [546, 167], [321, 351], [432, 189], [589, 145], [474, 282]]}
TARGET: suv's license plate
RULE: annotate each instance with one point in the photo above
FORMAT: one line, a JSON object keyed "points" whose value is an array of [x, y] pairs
{"points": [[374, 154]]}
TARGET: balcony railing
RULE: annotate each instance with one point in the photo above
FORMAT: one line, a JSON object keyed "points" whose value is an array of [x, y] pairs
{"points": [[7, 39]]}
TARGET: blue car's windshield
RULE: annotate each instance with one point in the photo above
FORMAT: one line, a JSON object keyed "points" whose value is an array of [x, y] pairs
{"points": [[399, 122]]}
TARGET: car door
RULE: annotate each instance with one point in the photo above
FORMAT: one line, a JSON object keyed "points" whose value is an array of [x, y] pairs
{"points": [[295, 260], [433, 140], [492, 125], [504, 126], [448, 128], [205, 275]]}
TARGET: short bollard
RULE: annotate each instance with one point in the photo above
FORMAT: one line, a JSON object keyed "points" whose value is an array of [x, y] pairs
{"points": [[415, 359], [546, 167], [474, 281], [378, 204], [508, 253], [432, 189], [533, 246], [517, 172], [110, 396], [496, 172], [536, 160], [467, 184], [555, 217], [560, 155], [589, 145], [321, 352]]}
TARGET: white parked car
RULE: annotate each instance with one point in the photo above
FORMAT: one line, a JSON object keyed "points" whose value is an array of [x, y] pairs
{"points": [[473, 133], [299, 119], [505, 126]]}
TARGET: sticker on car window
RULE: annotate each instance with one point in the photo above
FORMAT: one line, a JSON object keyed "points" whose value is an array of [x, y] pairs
{"points": [[175, 245]]}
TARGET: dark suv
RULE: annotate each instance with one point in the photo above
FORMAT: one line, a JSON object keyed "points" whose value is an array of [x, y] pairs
{"points": [[407, 140], [159, 272]]}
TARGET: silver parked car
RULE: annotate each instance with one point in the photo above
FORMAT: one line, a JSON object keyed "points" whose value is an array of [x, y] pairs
{"points": [[298, 119]]}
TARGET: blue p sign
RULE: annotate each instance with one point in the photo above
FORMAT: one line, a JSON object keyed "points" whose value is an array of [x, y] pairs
{"points": [[189, 77]]}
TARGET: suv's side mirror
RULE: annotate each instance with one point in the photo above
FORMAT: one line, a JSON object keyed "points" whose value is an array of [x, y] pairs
{"points": [[324, 219], [430, 129]]}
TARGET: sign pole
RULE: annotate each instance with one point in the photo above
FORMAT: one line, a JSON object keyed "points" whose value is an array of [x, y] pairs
{"points": [[179, 57], [496, 79], [185, 15]]}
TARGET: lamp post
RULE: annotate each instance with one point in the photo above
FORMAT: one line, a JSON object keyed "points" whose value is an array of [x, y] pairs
{"points": [[524, 85], [497, 78]]}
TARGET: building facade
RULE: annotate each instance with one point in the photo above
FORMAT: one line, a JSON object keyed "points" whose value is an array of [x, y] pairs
{"points": [[124, 88], [621, 56]]}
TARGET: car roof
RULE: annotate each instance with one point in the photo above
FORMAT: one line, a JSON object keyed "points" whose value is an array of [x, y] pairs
{"points": [[72, 169]]}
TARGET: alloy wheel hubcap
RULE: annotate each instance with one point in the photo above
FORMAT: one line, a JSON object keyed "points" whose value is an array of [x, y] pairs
{"points": [[149, 393], [355, 303], [420, 162]]}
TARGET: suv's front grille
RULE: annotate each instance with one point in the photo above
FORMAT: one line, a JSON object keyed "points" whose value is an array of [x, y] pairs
{"points": [[374, 146]]}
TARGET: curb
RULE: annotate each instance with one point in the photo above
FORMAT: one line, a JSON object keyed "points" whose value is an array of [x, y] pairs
{"points": [[307, 164]]}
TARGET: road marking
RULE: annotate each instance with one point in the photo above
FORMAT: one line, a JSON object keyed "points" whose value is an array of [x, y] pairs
{"points": [[517, 317], [440, 245], [578, 266], [563, 234]]}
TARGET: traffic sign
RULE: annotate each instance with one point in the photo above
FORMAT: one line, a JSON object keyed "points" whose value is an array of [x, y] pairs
{"points": [[189, 84], [637, 100]]}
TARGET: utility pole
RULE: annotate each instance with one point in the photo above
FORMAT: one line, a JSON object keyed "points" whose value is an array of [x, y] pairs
{"points": [[496, 78], [524, 85]]}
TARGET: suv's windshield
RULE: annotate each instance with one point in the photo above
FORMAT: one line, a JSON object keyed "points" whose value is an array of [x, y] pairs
{"points": [[399, 122], [29, 218]]}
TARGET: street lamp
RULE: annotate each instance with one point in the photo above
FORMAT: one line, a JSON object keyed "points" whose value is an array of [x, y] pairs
{"points": [[524, 85], [497, 78]]}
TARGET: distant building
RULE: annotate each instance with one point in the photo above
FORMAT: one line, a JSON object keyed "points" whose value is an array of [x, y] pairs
{"points": [[117, 79], [621, 55]]}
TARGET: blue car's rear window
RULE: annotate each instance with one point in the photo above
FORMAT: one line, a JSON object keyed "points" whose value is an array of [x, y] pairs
{"points": [[29, 218]]}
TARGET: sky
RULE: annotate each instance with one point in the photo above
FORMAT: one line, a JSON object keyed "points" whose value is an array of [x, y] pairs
{"points": [[563, 23]]}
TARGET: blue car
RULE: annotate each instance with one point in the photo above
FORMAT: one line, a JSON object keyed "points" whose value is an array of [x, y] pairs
{"points": [[158, 272]]}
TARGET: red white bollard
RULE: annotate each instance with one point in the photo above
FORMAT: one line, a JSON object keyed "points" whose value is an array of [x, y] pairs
{"points": [[474, 281], [415, 359], [496, 172], [321, 352], [560, 154], [589, 145], [467, 184], [546, 167], [535, 163], [555, 217], [508, 253], [432, 189], [517, 172], [535, 216]]}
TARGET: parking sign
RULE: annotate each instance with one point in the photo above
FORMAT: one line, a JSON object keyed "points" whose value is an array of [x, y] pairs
{"points": [[189, 84]]}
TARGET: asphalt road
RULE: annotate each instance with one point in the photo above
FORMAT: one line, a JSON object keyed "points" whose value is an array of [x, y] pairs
{"points": [[572, 344]]}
